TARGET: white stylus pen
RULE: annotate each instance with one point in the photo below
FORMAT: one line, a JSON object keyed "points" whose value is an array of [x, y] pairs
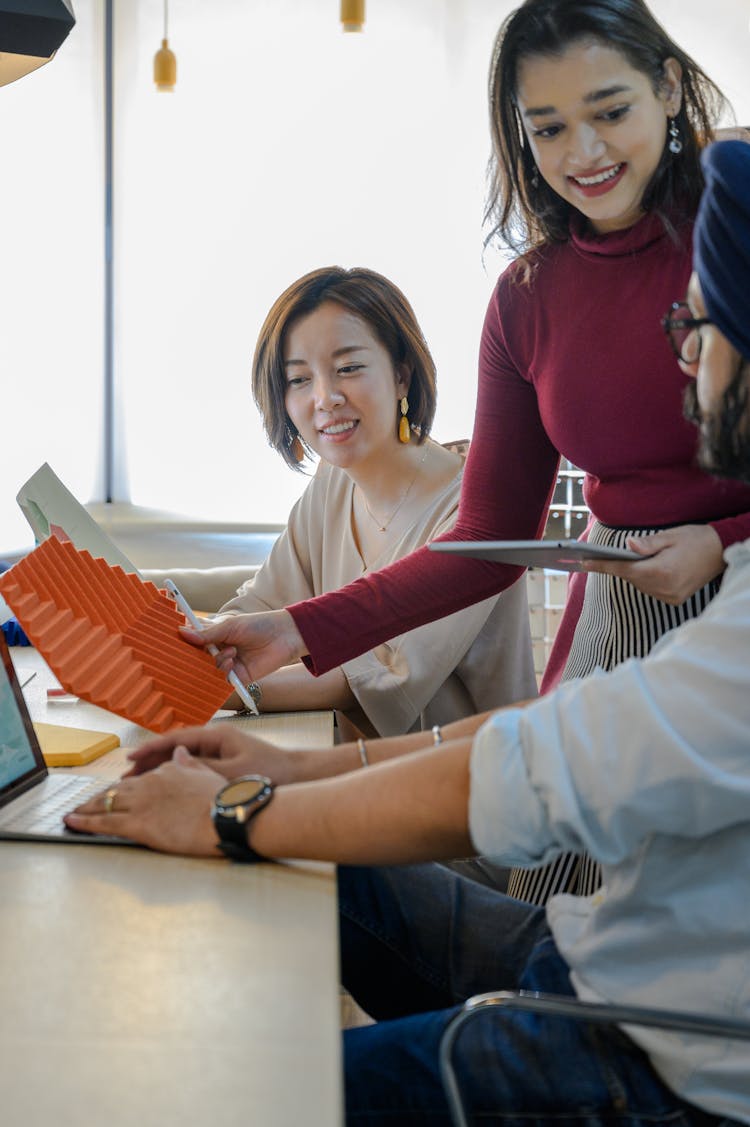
{"points": [[196, 623]]}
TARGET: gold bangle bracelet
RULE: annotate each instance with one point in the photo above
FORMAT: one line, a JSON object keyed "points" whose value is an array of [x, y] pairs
{"points": [[362, 752], [437, 735]]}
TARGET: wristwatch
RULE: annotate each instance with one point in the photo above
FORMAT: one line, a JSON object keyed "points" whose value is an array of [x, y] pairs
{"points": [[234, 806]]}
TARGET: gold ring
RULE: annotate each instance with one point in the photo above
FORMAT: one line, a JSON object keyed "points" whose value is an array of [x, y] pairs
{"points": [[109, 800]]}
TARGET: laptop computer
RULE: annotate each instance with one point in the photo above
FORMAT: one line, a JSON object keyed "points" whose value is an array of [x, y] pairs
{"points": [[48, 505], [32, 801]]}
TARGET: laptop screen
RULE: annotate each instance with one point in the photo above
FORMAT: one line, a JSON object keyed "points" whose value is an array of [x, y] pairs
{"points": [[21, 760]]}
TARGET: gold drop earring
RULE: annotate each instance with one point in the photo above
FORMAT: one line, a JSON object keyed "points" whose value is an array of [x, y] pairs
{"points": [[298, 450], [404, 430]]}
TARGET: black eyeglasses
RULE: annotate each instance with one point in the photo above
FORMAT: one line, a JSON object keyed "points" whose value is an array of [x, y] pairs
{"points": [[681, 328]]}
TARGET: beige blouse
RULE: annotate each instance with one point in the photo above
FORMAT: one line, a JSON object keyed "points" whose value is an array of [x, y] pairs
{"points": [[473, 660]]}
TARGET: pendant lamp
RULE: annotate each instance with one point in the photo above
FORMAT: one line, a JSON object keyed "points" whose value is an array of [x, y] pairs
{"points": [[353, 15], [30, 33], [165, 63]]}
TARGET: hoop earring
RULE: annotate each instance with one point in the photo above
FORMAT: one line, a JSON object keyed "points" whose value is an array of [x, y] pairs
{"points": [[675, 144], [297, 449], [404, 430]]}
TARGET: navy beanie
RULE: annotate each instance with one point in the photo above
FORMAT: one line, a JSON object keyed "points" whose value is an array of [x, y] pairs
{"points": [[721, 244]]}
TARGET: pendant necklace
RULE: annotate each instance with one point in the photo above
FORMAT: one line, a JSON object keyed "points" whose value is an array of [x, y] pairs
{"points": [[383, 526]]}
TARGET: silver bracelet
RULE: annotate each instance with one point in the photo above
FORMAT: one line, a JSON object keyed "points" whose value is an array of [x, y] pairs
{"points": [[362, 752], [437, 735], [255, 691]]}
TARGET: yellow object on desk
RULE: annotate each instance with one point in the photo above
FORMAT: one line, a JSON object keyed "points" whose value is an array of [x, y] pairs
{"points": [[72, 747]]}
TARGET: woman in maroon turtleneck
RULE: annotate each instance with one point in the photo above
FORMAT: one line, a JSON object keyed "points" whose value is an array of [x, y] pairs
{"points": [[598, 118]]}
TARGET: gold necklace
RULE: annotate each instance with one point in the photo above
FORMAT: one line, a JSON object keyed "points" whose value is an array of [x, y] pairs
{"points": [[383, 526]]}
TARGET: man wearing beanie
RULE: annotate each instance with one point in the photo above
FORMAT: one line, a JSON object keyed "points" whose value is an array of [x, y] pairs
{"points": [[647, 768], [720, 290]]}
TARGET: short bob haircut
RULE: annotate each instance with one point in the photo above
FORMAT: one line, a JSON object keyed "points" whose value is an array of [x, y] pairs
{"points": [[524, 215], [385, 310]]}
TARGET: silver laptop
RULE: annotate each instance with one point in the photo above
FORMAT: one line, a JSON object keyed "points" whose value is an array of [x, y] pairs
{"points": [[32, 801]]}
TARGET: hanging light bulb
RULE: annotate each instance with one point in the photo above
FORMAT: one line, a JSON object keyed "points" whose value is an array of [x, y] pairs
{"points": [[353, 15], [165, 63]]}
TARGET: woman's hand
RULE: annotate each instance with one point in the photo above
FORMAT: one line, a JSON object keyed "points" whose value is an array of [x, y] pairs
{"points": [[168, 809], [251, 644], [680, 561], [222, 748]]}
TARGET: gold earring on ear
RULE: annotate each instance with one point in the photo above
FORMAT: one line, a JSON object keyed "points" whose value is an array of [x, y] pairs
{"points": [[404, 430], [298, 450]]}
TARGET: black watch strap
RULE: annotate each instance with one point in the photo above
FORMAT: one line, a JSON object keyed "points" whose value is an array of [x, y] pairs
{"points": [[232, 812], [244, 853]]}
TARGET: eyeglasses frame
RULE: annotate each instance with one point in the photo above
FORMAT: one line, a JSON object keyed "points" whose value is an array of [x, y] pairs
{"points": [[670, 323]]}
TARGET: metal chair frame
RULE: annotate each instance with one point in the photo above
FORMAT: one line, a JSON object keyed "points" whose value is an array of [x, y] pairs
{"points": [[561, 1006]]}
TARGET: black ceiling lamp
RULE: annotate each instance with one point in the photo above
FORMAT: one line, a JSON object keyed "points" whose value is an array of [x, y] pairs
{"points": [[30, 33]]}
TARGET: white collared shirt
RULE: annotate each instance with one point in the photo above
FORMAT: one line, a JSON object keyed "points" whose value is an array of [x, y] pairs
{"points": [[647, 768]]}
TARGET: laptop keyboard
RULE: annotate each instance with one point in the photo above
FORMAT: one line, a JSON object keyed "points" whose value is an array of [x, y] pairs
{"points": [[43, 813]]}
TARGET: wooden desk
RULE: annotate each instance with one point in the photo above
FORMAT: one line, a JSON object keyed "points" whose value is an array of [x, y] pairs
{"points": [[138, 989], [288, 729]]}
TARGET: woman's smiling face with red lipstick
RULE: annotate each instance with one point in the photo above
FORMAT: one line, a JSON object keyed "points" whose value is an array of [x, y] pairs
{"points": [[596, 127]]}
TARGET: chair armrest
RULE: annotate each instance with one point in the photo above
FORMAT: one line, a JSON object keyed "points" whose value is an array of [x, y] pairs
{"points": [[601, 1013]]}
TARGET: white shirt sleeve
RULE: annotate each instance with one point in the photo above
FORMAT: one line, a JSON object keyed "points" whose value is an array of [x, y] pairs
{"points": [[655, 746]]}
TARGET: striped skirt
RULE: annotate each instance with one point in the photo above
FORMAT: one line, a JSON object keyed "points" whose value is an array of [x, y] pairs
{"points": [[617, 622]]}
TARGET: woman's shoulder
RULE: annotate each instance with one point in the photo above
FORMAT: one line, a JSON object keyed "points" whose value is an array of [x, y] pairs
{"points": [[441, 505], [328, 480], [520, 280], [327, 491]]}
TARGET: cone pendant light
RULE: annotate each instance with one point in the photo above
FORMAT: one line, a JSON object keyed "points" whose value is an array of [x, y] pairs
{"points": [[30, 34]]}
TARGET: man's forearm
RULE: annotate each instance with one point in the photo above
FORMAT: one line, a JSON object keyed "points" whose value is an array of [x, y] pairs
{"points": [[411, 809]]}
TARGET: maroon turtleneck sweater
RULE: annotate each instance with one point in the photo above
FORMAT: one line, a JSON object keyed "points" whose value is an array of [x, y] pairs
{"points": [[575, 363]]}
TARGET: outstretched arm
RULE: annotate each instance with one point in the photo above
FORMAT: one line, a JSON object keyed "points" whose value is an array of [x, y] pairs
{"points": [[232, 753]]}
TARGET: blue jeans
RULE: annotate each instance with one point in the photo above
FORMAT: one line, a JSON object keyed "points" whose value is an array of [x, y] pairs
{"points": [[416, 941]]}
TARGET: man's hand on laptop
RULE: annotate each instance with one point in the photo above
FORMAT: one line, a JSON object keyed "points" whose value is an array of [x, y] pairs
{"points": [[168, 809]]}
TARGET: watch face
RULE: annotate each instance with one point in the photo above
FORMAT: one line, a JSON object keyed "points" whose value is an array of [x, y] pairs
{"points": [[240, 791]]}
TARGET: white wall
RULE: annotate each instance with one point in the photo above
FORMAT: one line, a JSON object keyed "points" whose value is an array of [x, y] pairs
{"points": [[287, 145]]}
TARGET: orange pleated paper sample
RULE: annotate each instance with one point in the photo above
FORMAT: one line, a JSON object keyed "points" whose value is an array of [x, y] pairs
{"points": [[111, 638]]}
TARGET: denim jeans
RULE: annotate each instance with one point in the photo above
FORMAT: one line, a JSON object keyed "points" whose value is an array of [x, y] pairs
{"points": [[417, 941]]}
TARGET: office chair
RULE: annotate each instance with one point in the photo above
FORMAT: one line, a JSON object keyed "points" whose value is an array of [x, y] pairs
{"points": [[563, 1006]]}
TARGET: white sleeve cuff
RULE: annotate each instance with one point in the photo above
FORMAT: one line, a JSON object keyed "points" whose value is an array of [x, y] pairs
{"points": [[506, 818]]}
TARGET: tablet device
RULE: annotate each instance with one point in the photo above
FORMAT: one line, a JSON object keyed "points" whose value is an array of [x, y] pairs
{"points": [[561, 555]]}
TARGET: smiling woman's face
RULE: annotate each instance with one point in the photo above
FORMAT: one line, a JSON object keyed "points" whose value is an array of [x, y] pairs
{"points": [[596, 127], [342, 387]]}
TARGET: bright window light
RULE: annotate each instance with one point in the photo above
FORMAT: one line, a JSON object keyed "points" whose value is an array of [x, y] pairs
{"points": [[285, 146]]}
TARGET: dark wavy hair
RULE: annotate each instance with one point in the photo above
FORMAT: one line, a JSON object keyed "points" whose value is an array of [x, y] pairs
{"points": [[372, 298], [724, 448], [522, 215]]}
